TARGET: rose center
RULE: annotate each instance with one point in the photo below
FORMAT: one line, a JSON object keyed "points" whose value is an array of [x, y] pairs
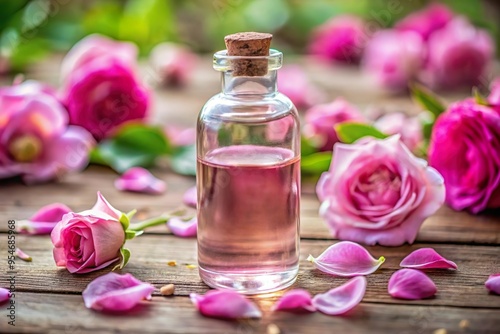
{"points": [[25, 148], [381, 186]]}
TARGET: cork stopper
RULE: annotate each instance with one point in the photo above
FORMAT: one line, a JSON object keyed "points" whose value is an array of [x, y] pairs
{"points": [[248, 44]]}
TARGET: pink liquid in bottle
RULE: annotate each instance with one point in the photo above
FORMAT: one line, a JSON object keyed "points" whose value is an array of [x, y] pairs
{"points": [[248, 218]]}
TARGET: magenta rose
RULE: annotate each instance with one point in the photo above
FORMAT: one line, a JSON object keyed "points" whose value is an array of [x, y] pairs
{"points": [[393, 58], [101, 90], [458, 55], [89, 240], [465, 149], [410, 128], [427, 20], [376, 191], [36, 142], [321, 120], [340, 39]]}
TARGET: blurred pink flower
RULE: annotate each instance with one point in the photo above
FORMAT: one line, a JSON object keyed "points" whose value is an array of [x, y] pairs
{"points": [[376, 191], [393, 58], [458, 55], [138, 179], [340, 39], [321, 119], [178, 136], [100, 88], [426, 21], [35, 139], [278, 130], [294, 83], [173, 63], [44, 220], [410, 128], [465, 149]]}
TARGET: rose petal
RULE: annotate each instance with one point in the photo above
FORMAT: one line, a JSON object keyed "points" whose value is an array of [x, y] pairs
{"points": [[411, 284], [341, 299], [190, 197], [346, 259], [4, 295], [225, 304], [427, 258], [295, 300], [493, 283], [114, 292], [22, 255], [138, 179], [182, 228], [44, 220]]}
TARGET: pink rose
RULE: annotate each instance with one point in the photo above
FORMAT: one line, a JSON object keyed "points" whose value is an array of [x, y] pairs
{"points": [[458, 55], [35, 139], [89, 240], [465, 149], [100, 89], [321, 120], [294, 83], [426, 21], [410, 128], [376, 191], [174, 64], [393, 58], [341, 39]]}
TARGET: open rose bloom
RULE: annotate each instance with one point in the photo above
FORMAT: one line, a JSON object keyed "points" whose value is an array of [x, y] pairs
{"points": [[377, 191]]}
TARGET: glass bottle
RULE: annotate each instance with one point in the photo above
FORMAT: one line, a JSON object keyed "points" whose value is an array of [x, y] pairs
{"points": [[248, 181]]}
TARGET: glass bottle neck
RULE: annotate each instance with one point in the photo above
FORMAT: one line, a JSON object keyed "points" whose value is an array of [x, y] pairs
{"points": [[241, 86]]}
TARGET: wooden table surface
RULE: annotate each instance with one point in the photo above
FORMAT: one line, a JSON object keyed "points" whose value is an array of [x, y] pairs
{"points": [[48, 299]]}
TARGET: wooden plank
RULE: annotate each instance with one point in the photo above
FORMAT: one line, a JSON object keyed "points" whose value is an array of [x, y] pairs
{"points": [[150, 253], [55, 313]]}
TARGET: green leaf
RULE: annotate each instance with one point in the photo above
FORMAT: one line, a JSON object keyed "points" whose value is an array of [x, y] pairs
{"points": [[316, 163], [125, 221], [129, 234], [307, 147], [125, 256], [350, 132], [427, 99], [184, 160], [479, 98]]}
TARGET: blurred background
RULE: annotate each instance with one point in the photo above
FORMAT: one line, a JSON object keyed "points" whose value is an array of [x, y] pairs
{"points": [[31, 30]]}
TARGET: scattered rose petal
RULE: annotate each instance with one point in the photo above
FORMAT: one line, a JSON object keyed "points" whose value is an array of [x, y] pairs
{"points": [[225, 304], [341, 299], [23, 256], [114, 292], [411, 284], [4, 295], [178, 136], [44, 220], [182, 228], [190, 197], [138, 179], [427, 258], [295, 300], [493, 283], [346, 259]]}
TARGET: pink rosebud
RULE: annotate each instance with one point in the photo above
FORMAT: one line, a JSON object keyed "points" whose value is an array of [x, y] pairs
{"points": [[44, 220], [115, 293], [427, 258], [346, 259], [225, 304], [173, 63], [393, 58], [294, 83], [493, 283], [178, 136], [411, 284], [35, 139], [89, 240], [4, 295], [295, 300], [494, 97], [321, 121], [410, 128], [181, 228], [341, 299], [101, 91], [376, 191], [190, 197], [340, 39], [138, 179], [465, 149], [458, 55], [426, 21]]}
